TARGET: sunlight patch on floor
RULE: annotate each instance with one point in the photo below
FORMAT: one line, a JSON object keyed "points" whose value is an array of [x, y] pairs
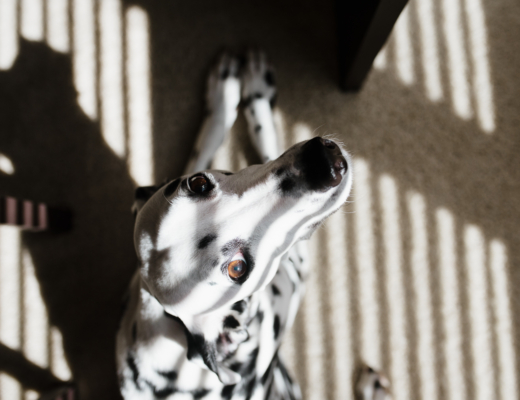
{"points": [[8, 33], [111, 75], [381, 60], [313, 321], [57, 13], [451, 40], [481, 79], [395, 288], [429, 49], [24, 323], [140, 157], [480, 326], [35, 321], [10, 307], [421, 278], [450, 304], [6, 165], [84, 56], [31, 21], [504, 330], [457, 59], [338, 279], [366, 267], [403, 48]]}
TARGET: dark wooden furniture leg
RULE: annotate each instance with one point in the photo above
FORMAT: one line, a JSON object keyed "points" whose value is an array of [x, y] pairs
{"points": [[363, 28]]}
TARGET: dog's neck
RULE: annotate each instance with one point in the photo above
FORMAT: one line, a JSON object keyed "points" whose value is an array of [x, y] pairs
{"points": [[214, 349]]}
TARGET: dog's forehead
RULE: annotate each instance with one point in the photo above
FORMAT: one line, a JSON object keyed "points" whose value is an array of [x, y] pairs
{"points": [[198, 219]]}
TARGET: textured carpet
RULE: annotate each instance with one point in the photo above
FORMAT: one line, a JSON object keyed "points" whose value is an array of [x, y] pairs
{"points": [[417, 276]]}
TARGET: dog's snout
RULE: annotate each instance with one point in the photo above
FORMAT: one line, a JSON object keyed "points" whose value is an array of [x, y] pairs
{"points": [[322, 163]]}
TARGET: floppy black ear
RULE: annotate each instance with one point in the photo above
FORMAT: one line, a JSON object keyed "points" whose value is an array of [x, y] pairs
{"points": [[142, 194]]}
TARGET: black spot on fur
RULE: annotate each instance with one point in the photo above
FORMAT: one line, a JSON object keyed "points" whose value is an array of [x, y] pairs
{"points": [[280, 171], [272, 102], [231, 322], [206, 240], [287, 185], [269, 388], [275, 290], [285, 373], [224, 74], [269, 78], [200, 393], [370, 370], [172, 187], [134, 332], [170, 375], [260, 316], [276, 326], [162, 393], [133, 367], [195, 344], [258, 95], [227, 392], [269, 370], [250, 387], [239, 306], [258, 128], [227, 173], [377, 384], [251, 363], [235, 366], [247, 102]]}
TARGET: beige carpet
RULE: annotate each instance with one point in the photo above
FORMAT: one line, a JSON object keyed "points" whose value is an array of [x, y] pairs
{"points": [[417, 276]]}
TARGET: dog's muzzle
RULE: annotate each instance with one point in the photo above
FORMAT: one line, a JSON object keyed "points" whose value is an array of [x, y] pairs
{"points": [[322, 163]]}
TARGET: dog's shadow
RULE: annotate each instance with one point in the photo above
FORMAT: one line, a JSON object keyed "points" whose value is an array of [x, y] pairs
{"points": [[83, 273]]}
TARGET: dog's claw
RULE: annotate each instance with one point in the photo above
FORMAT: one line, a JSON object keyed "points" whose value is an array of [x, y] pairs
{"points": [[372, 385], [223, 92], [258, 78]]}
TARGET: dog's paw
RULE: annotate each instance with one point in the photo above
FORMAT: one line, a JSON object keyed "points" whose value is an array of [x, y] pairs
{"points": [[223, 93], [372, 385], [258, 79]]}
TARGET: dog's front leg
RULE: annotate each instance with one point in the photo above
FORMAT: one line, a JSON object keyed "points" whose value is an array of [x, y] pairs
{"points": [[258, 97], [222, 99]]}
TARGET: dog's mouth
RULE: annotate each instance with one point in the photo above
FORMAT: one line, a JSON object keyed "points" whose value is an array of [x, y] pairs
{"points": [[322, 163]]}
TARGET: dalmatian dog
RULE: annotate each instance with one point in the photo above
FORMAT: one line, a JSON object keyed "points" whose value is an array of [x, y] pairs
{"points": [[221, 259]]}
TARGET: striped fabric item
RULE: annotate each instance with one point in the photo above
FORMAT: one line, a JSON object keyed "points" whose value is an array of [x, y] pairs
{"points": [[33, 216]]}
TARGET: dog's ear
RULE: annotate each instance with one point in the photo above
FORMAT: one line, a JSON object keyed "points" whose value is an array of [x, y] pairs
{"points": [[142, 194]]}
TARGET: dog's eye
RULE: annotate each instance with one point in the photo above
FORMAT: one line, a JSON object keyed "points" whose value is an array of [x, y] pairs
{"points": [[237, 268], [199, 184]]}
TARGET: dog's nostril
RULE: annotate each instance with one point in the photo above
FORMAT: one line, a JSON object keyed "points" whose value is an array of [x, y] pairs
{"points": [[340, 165]]}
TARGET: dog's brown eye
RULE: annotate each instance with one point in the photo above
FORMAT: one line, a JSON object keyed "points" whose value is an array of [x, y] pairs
{"points": [[237, 269], [199, 184]]}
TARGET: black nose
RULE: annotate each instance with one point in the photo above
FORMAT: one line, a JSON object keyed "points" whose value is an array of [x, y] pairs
{"points": [[322, 163]]}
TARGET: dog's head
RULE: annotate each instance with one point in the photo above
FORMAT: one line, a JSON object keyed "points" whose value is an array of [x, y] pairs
{"points": [[214, 238]]}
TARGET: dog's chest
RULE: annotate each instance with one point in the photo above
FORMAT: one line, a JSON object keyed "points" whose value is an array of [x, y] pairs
{"points": [[156, 364]]}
